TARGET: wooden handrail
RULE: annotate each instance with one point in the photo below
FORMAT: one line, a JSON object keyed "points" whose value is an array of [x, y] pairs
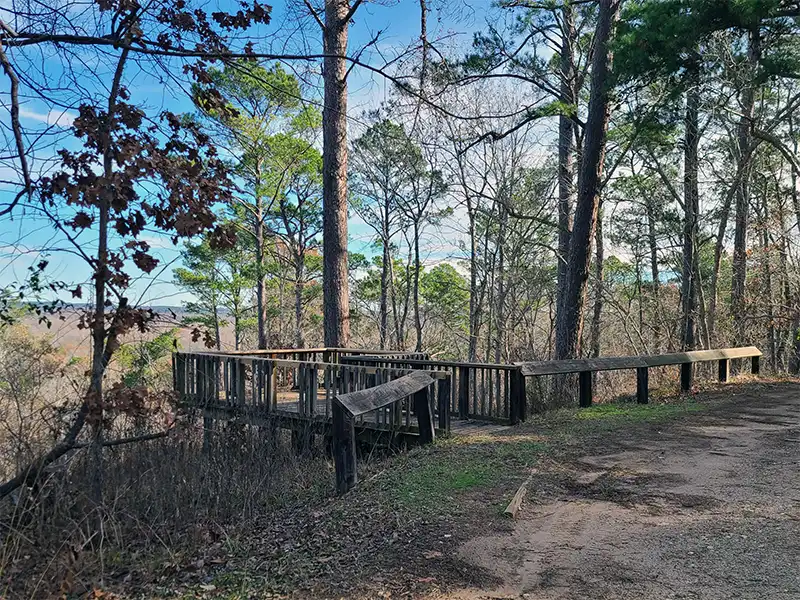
{"points": [[364, 401], [281, 362], [585, 367], [345, 407], [614, 363], [430, 362]]}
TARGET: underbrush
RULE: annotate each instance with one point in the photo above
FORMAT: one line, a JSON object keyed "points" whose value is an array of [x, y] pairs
{"points": [[166, 502]]}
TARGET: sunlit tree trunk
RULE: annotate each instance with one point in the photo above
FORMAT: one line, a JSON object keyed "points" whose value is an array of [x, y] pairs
{"points": [[744, 138], [336, 305], [597, 312], [691, 199], [569, 323], [565, 146]]}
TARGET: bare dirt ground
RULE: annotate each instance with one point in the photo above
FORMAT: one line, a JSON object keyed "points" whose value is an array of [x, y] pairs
{"points": [[705, 507]]}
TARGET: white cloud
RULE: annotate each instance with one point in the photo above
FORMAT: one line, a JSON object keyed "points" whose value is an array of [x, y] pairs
{"points": [[52, 117]]}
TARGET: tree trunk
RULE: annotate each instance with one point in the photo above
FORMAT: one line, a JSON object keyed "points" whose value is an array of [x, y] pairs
{"points": [[569, 322], [384, 301], [655, 276], [95, 397], [597, 313], [761, 207], [744, 137], [398, 325], [261, 275], [500, 302], [417, 267], [719, 247], [691, 198], [299, 280], [474, 310], [565, 147], [794, 358], [336, 305]]}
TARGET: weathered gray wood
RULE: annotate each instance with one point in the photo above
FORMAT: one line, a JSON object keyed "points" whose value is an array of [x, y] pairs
{"points": [[422, 406], [613, 363], [724, 369], [463, 391], [344, 447], [559, 367], [585, 389], [443, 396], [201, 379], [701, 356], [241, 384], [686, 377], [180, 366], [518, 409], [364, 401], [642, 385], [516, 502]]}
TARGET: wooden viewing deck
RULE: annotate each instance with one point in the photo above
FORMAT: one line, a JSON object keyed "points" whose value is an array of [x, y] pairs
{"points": [[295, 389], [279, 388]]}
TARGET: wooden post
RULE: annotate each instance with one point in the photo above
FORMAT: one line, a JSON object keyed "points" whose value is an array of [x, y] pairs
{"points": [[642, 384], [422, 407], [724, 369], [513, 397], [344, 448], [463, 392], [180, 376], [755, 365], [686, 377], [241, 387], [200, 378], [273, 385], [518, 405], [444, 390], [585, 388]]}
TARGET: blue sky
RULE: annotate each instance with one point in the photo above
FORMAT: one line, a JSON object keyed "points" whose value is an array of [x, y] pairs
{"points": [[398, 21]]}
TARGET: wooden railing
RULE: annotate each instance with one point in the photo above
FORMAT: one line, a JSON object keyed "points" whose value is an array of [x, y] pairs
{"points": [[483, 391], [351, 406], [585, 367], [261, 385], [325, 354]]}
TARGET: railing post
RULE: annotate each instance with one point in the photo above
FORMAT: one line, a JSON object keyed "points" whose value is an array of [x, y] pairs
{"points": [[518, 405], [463, 392], [202, 398], [344, 448], [724, 369], [755, 365], [585, 388], [686, 377], [200, 380], [444, 391], [422, 407], [180, 376], [642, 384], [241, 385]]}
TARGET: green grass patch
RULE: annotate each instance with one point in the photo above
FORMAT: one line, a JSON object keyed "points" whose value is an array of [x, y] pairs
{"points": [[638, 412], [431, 476]]}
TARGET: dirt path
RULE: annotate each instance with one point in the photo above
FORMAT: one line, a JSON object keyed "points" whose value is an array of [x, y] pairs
{"points": [[707, 508]]}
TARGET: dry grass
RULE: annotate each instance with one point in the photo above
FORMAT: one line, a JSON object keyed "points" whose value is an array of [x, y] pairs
{"points": [[164, 501]]}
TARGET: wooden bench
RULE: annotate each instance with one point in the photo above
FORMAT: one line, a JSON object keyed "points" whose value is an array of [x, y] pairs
{"points": [[585, 367], [345, 407]]}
